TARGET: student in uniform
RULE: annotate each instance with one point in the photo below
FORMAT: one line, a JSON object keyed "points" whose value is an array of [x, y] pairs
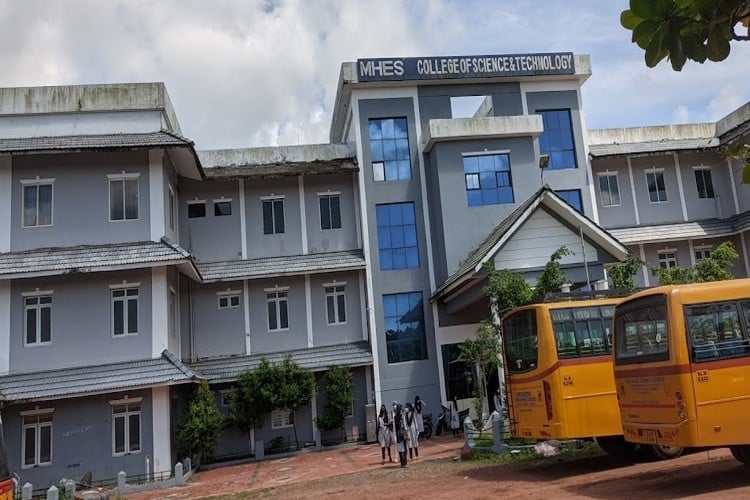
{"points": [[401, 434], [412, 431], [455, 421], [385, 422], [418, 406]]}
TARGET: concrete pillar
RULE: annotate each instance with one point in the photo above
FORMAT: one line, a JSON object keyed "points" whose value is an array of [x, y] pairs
{"points": [[259, 450], [121, 480], [70, 488], [53, 493], [26, 491], [179, 478]]}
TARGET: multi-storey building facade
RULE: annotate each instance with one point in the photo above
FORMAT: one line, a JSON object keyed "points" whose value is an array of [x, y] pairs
{"points": [[132, 265]]}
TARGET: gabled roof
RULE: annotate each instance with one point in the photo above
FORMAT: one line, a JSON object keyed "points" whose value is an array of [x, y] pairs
{"points": [[648, 147], [227, 369], [100, 141], [281, 266], [90, 258], [505, 230], [86, 380]]}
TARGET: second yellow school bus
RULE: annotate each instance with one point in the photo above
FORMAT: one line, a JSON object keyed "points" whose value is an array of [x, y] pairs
{"points": [[682, 365], [559, 380]]}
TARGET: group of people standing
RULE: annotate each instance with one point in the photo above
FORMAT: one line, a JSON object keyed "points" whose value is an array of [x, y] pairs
{"points": [[402, 426]]}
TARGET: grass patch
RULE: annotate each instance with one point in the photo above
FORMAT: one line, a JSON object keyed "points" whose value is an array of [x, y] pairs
{"points": [[567, 452]]}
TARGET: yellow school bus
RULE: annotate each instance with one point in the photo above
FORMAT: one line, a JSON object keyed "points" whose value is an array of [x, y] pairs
{"points": [[559, 380], [682, 365]]}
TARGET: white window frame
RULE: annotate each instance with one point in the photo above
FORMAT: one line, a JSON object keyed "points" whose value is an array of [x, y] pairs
{"points": [[656, 171], [37, 426], [38, 182], [667, 255], [196, 202], [226, 297], [378, 171], [125, 287], [276, 291], [283, 415], [704, 250], [126, 402], [37, 294], [708, 169], [609, 175], [334, 294], [123, 177], [223, 200]]}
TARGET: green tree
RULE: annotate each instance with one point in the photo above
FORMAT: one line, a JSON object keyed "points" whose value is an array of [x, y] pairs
{"points": [[339, 389], [506, 289], [713, 268], [483, 353], [553, 276], [270, 387], [623, 273], [199, 429], [685, 29]]}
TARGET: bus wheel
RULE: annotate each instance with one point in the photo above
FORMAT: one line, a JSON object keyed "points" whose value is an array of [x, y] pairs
{"points": [[741, 453], [616, 446], [664, 452]]}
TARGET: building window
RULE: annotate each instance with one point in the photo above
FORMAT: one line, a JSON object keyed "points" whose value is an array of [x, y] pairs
{"points": [[330, 212], [667, 259], [123, 197], [389, 149], [38, 319], [335, 303], [458, 374], [196, 209], [222, 208], [281, 419], [397, 236], [273, 216], [37, 438], [124, 311], [657, 192], [278, 314], [488, 180], [702, 253], [404, 327], [703, 183], [225, 398], [572, 197], [126, 427], [229, 299], [37, 203], [609, 190], [557, 139]]}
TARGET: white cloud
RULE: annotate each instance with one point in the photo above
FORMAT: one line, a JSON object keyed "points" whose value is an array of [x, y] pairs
{"points": [[681, 115], [252, 73]]}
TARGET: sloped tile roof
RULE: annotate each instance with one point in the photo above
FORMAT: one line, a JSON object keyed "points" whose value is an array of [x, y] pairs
{"points": [[100, 141], [629, 148], [79, 381], [710, 228], [227, 369], [281, 266], [87, 258]]}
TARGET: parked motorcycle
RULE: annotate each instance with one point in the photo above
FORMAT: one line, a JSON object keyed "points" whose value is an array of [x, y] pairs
{"points": [[427, 423], [443, 421]]}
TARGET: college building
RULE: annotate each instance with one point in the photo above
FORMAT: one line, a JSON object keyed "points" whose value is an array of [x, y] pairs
{"points": [[133, 264]]}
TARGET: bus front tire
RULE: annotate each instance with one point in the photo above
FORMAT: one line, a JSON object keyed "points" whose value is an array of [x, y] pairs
{"points": [[664, 452], [616, 446], [741, 453]]}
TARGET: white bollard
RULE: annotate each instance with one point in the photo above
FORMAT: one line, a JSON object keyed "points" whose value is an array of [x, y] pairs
{"points": [[121, 480], [179, 478], [53, 493], [26, 491]]}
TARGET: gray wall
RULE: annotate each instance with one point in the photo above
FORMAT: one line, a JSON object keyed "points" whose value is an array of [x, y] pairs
{"points": [[398, 379], [330, 240], [262, 340], [614, 216], [202, 234], [706, 208], [655, 213], [80, 199], [217, 332], [271, 245], [351, 331], [81, 322], [81, 439]]}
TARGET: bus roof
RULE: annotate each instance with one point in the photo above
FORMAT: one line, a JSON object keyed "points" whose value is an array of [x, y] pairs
{"points": [[700, 292], [566, 303]]}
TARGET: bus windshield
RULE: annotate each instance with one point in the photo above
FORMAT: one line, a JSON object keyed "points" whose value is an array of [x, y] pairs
{"points": [[520, 337], [641, 330], [582, 331]]}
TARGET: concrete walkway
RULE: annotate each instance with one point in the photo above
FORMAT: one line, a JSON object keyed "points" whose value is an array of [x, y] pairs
{"points": [[304, 466]]}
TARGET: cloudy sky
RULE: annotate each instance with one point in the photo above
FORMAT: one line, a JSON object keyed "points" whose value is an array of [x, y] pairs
{"points": [[264, 72]]}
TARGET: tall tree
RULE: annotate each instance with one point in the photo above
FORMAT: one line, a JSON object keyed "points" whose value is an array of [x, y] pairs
{"points": [[686, 29], [553, 276], [339, 388], [199, 429]]}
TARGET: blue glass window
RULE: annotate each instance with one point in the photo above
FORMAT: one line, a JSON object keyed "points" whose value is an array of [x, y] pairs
{"points": [[557, 139], [397, 236], [573, 197], [404, 327], [389, 149], [488, 180]]}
